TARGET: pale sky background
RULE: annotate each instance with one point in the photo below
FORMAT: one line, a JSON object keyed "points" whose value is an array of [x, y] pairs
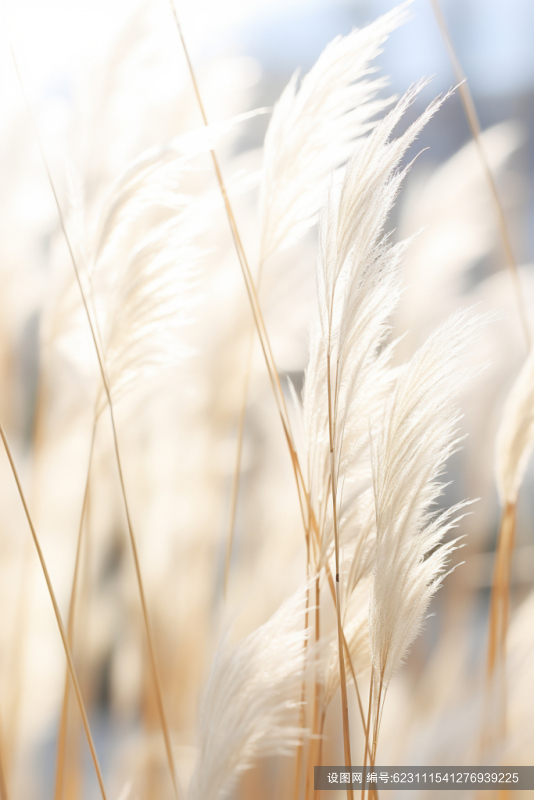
{"points": [[56, 41], [494, 38]]}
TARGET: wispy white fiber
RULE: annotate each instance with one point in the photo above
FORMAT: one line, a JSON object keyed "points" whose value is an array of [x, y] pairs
{"points": [[250, 707], [144, 263], [314, 127], [410, 447], [358, 284], [150, 180], [151, 300], [356, 632]]}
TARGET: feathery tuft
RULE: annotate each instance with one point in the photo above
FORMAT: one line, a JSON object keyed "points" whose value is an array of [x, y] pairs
{"points": [[358, 284], [250, 707], [313, 130], [410, 447]]}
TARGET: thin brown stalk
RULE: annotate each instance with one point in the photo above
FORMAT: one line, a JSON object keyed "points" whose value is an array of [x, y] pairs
{"points": [[342, 676], [316, 696], [376, 724], [317, 637], [331, 586], [320, 753], [371, 791], [236, 478], [351, 667], [38, 433], [249, 282], [22, 610], [274, 378], [345, 645], [51, 592], [302, 715], [378, 718], [367, 730], [237, 467], [62, 736], [308, 518], [148, 628], [300, 746], [474, 125], [152, 655], [500, 590], [74, 772], [499, 609], [346, 648]]}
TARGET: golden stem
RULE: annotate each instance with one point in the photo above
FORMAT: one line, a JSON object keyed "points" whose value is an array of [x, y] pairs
{"points": [[237, 467], [57, 614], [62, 736], [499, 607], [316, 696], [300, 746], [342, 677], [105, 382]]}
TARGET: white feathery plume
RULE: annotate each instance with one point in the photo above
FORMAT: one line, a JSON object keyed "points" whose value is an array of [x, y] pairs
{"points": [[313, 130], [143, 295], [515, 438], [138, 267], [358, 525], [356, 212], [358, 285], [63, 322], [356, 632], [363, 378], [250, 707], [413, 440], [361, 517], [150, 180], [145, 258], [150, 302]]}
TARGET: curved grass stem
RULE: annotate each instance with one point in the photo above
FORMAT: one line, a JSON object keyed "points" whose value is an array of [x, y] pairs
{"points": [[499, 615], [57, 614], [105, 382], [62, 735]]}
